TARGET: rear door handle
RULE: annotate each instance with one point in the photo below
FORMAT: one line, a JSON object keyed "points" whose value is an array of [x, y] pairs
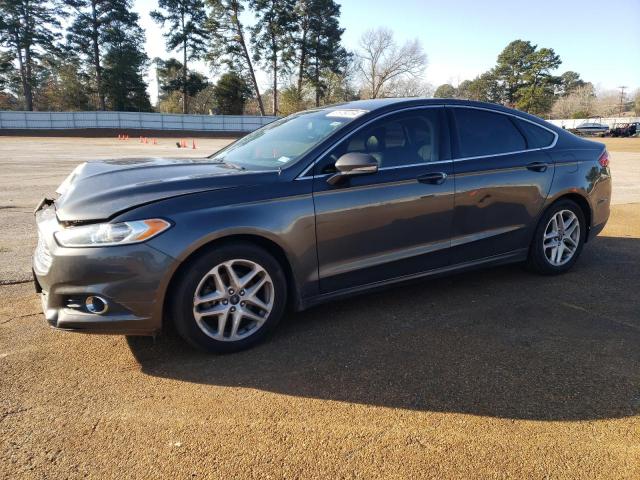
{"points": [[537, 166], [436, 178]]}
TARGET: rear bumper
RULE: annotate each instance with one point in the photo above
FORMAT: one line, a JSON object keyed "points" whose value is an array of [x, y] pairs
{"points": [[600, 202], [129, 278]]}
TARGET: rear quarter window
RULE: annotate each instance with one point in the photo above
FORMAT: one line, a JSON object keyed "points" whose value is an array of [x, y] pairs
{"points": [[482, 133], [537, 137]]}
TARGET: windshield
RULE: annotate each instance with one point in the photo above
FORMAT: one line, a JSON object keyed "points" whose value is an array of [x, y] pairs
{"points": [[284, 141]]}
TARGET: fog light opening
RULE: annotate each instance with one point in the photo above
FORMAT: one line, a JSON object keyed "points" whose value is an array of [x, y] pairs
{"points": [[97, 305]]}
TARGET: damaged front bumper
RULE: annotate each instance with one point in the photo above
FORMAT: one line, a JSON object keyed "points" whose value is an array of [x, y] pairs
{"points": [[127, 277]]}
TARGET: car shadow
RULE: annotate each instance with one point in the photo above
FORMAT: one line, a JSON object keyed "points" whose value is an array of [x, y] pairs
{"points": [[499, 342]]}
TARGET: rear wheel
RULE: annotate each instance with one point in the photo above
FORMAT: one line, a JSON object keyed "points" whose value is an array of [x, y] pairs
{"points": [[229, 298], [558, 239]]}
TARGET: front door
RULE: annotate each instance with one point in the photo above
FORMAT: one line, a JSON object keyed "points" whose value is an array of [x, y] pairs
{"points": [[393, 223]]}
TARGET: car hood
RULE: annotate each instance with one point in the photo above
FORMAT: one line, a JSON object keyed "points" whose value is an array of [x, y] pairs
{"points": [[100, 189]]}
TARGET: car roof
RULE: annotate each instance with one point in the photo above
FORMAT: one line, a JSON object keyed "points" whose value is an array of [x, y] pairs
{"points": [[377, 106], [391, 103]]}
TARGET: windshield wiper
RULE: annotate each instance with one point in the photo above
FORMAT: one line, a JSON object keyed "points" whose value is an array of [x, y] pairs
{"points": [[233, 165], [230, 164]]}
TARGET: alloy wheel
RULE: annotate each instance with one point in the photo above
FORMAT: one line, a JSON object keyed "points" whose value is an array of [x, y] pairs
{"points": [[233, 300], [561, 237]]}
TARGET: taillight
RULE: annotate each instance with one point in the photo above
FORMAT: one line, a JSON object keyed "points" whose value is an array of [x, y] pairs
{"points": [[604, 159]]}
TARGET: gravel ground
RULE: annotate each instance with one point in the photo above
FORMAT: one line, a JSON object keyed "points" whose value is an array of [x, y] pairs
{"points": [[490, 374]]}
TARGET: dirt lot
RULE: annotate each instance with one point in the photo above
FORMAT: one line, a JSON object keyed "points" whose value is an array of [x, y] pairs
{"points": [[621, 144], [493, 374]]}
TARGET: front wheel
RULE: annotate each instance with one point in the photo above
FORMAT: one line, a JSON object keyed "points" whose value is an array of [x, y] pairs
{"points": [[229, 298], [558, 239]]}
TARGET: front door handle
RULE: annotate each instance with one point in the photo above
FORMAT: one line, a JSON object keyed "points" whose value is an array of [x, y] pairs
{"points": [[537, 166], [436, 178]]}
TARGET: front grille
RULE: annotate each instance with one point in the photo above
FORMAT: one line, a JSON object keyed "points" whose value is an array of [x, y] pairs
{"points": [[42, 255]]}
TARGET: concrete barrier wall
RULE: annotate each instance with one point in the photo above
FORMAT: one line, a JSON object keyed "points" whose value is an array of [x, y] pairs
{"points": [[10, 120]]}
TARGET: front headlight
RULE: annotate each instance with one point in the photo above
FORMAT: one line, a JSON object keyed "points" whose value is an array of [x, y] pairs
{"points": [[107, 234]]}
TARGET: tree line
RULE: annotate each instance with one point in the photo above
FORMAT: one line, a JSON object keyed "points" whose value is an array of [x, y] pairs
{"points": [[523, 78], [89, 55], [76, 55]]}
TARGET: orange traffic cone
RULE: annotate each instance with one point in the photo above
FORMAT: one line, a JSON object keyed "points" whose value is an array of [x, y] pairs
{"points": [[141, 141]]}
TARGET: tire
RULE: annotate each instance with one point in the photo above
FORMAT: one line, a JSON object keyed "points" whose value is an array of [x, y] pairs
{"points": [[543, 258], [250, 311]]}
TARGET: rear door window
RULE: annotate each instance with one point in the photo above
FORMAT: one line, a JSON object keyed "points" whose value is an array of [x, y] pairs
{"points": [[482, 133], [537, 137]]}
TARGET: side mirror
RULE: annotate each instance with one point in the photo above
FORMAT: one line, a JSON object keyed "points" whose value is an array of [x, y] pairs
{"points": [[351, 164]]}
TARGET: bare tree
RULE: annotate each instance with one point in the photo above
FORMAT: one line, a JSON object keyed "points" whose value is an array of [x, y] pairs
{"points": [[607, 103], [409, 87], [580, 102], [382, 62]]}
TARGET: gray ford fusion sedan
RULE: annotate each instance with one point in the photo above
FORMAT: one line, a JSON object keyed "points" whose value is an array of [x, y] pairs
{"points": [[319, 205]]}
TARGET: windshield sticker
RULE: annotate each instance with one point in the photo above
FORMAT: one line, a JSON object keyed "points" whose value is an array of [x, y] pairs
{"points": [[345, 113], [283, 159]]}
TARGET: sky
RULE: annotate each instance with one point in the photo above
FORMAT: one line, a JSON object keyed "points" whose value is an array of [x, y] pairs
{"points": [[598, 39]]}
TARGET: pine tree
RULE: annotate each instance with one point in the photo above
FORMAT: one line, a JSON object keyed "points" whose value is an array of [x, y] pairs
{"points": [[170, 79], [523, 71], [124, 64], [229, 44], [61, 85], [230, 94], [324, 51], [186, 19], [272, 38], [6, 68], [28, 29], [109, 28], [90, 34]]}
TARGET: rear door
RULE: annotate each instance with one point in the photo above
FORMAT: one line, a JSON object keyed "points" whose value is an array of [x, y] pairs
{"points": [[502, 178]]}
